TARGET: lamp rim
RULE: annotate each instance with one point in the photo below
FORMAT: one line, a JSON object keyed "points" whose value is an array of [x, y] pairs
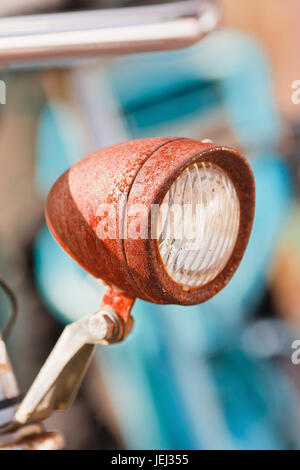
{"points": [[159, 284]]}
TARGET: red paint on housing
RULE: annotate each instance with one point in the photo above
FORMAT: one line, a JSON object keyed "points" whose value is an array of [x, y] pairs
{"points": [[119, 302]]}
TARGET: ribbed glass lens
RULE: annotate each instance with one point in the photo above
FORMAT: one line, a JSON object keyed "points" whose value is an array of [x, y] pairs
{"points": [[198, 224]]}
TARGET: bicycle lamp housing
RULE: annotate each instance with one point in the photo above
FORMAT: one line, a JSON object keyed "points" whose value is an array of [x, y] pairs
{"points": [[164, 219], [115, 213]]}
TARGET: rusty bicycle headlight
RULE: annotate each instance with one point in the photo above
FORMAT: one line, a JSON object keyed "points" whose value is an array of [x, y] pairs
{"points": [[163, 219]]}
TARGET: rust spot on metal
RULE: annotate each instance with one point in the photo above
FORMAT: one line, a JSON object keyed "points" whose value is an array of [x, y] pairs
{"points": [[119, 302]]}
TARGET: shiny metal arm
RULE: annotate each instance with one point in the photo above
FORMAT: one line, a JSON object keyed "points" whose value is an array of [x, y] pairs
{"points": [[61, 375]]}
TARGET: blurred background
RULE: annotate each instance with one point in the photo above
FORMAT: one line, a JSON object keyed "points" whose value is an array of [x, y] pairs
{"points": [[214, 376]]}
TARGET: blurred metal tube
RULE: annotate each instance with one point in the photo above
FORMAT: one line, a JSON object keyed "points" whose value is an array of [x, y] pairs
{"points": [[92, 33]]}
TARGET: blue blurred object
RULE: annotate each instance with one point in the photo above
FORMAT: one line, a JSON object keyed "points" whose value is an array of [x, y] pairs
{"points": [[226, 67], [183, 379]]}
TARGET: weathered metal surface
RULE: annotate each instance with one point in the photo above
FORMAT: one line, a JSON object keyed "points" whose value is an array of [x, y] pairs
{"points": [[74, 204], [119, 302], [44, 441], [139, 172]]}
